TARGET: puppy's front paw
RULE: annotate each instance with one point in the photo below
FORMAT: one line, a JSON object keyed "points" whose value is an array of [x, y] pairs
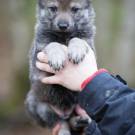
{"points": [[57, 61], [78, 122], [56, 56], [77, 50]]}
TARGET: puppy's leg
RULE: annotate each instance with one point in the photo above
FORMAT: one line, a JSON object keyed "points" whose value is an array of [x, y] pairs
{"points": [[64, 130], [81, 121], [56, 55], [40, 111], [77, 50]]}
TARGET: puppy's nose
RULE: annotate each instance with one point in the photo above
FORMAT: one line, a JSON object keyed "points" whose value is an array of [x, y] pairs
{"points": [[63, 25]]}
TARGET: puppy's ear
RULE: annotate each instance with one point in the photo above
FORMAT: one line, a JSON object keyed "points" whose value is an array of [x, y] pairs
{"points": [[41, 3], [89, 2]]}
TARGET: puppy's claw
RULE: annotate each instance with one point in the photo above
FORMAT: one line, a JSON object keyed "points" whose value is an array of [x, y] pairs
{"points": [[56, 64], [76, 60]]}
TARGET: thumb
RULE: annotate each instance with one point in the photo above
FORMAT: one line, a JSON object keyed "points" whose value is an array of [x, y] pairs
{"points": [[51, 80]]}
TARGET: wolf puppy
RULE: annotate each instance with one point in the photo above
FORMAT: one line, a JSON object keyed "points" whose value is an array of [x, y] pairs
{"points": [[59, 22]]}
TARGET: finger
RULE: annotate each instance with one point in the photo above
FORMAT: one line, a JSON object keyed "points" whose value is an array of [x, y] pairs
{"points": [[80, 111], [51, 80], [56, 129], [42, 57], [44, 67]]}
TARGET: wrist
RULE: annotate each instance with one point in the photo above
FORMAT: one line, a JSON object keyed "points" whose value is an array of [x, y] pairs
{"points": [[85, 75], [91, 77]]}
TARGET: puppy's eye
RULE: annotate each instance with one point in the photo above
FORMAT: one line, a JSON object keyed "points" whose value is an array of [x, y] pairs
{"points": [[75, 9], [53, 9]]}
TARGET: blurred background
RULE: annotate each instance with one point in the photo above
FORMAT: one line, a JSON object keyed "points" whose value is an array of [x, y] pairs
{"points": [[114, 41]]}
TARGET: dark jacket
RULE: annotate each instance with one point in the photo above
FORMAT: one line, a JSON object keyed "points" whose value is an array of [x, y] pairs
{"points": [[111, 105]]}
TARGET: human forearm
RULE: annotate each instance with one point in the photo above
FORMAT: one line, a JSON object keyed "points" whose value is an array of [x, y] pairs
{"points": [[95, 94], [110, 103]]}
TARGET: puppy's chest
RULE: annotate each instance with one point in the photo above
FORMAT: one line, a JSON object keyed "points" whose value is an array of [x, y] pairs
{"points": [[62, 38], [58, 96]]}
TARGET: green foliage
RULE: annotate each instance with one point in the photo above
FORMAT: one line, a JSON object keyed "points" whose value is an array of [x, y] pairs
{"points": [[20, 88]]}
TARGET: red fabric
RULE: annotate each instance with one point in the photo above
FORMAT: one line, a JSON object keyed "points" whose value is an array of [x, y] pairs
{"points": [[89, 79]]}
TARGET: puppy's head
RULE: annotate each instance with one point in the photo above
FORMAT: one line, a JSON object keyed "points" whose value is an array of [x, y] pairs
{"points": [[65, 15]]}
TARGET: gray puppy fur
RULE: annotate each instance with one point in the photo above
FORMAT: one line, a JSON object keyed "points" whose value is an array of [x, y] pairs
{"points": [[59, 22]]}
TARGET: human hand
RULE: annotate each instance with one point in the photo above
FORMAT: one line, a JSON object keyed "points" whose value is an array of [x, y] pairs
{"points": [[72, 75]]}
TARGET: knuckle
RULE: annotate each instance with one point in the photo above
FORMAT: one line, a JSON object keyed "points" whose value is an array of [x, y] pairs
{"points": [[42, 66]]}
